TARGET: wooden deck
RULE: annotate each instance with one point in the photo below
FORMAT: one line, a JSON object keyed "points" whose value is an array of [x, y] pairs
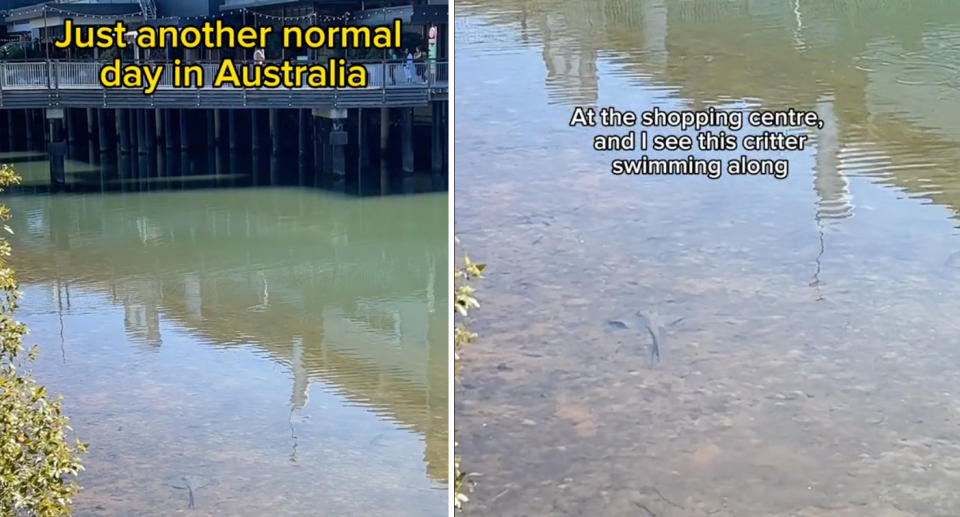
{"points": [[54, 84]]}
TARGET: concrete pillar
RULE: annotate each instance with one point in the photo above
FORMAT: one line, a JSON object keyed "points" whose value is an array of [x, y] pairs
{"points": [[406, 138]]}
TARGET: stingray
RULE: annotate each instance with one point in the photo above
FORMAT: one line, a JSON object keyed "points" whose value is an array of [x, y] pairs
{"points": [[952, 264], [649, 323], [190, 483]]}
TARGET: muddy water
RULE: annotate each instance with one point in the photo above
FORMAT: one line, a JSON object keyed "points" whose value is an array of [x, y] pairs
{"points": [[245, 352], [813, 371]]}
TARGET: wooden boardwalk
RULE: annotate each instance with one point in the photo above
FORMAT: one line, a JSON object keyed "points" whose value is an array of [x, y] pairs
{"points": [[57, 84]]}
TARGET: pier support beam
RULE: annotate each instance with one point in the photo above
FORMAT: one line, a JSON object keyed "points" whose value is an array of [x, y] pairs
{"points": [[56, 149], [218, 126], [184, 131], [10, 132], [158, 133], [168, 135], [211, 131], [363, 149], [384, 132], [406, 139], [28, 126], [132, 128], [123, 130], [73, 126], [335, 143], [274, 132], [303, 145], [150, 123], [437, 139], [102, 133], [255, 130], [232, 129], [232, 133], [141, 131]]}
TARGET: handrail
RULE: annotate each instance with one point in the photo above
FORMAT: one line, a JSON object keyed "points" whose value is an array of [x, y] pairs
{"points": [[56, 75], [149, 9]]}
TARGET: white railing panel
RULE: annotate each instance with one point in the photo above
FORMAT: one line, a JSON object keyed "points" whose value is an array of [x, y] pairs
{"points": [[86, 75]]}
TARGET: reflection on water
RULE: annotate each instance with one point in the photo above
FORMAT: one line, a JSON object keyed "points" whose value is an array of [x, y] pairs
{"points": [[285, 345], [810, 374]]}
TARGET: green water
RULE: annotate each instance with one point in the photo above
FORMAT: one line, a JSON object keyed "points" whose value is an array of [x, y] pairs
{"points": [[813, 372], [285, 346]]}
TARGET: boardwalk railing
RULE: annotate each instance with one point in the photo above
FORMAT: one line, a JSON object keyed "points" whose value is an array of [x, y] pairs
{"points": [[86, 75]]}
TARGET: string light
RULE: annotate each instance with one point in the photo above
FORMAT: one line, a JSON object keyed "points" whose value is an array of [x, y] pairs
{"points": [[317, 17]]}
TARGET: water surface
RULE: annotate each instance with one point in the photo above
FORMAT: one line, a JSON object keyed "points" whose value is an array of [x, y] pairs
{"points": [[283, 349], [812, 373]]}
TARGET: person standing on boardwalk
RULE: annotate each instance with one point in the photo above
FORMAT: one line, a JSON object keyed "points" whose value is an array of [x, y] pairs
{"points": [[392, 65], [418, 60], [408, 67]]}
